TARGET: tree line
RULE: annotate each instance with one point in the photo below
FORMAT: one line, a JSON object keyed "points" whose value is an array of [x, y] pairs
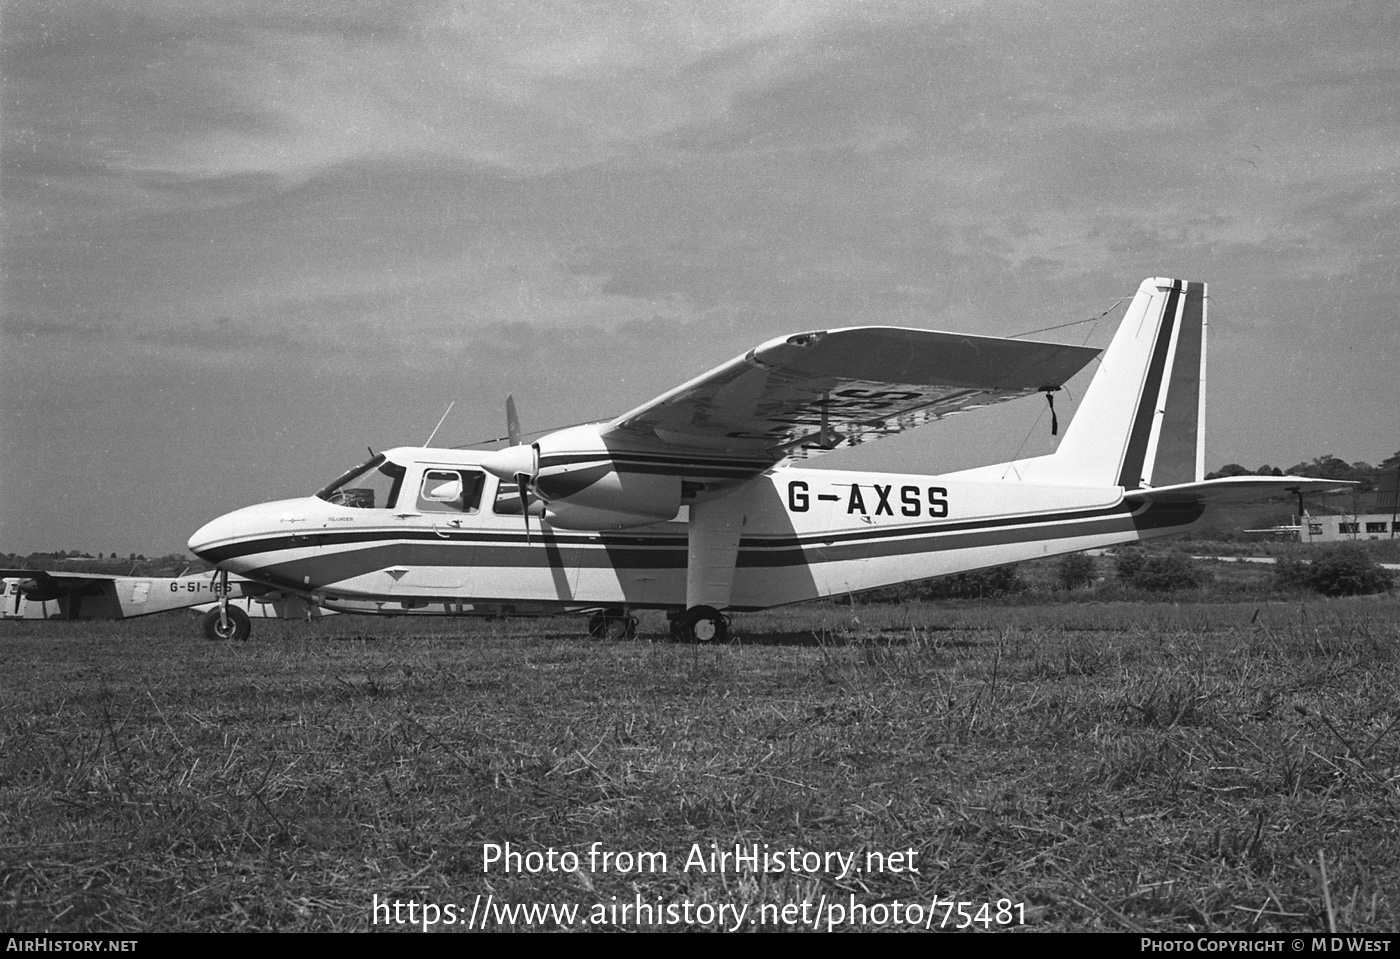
{"points": [[76, 561], [1326, 466]]}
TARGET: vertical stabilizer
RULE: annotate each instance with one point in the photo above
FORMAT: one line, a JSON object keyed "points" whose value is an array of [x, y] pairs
{"points": [[1141, 423]]}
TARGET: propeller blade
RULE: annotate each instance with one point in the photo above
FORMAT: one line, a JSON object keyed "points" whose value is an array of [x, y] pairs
{"points": [[512, 421], [522, 483]]}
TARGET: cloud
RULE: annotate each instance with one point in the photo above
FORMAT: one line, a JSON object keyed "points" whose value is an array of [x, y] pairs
{"points": [[305, 203]]}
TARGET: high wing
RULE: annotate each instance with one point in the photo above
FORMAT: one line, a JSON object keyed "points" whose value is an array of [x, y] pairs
{"points": [[829, 390]]}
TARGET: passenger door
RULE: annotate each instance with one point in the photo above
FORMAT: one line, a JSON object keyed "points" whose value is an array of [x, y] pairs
{"points": [[446, 505]]}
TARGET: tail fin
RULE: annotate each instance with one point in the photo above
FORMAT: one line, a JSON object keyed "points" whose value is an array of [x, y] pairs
{"points": [[1141, 423]]}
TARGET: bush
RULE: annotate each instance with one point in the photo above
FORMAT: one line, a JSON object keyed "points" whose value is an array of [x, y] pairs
{"points": [[981, 584], [1342, 570], [1128, 561], [1075, 571], [1292, 575], [1167, 572]]}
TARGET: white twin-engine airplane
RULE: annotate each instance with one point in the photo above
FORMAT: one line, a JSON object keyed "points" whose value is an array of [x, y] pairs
{"points": [[689, 502]]}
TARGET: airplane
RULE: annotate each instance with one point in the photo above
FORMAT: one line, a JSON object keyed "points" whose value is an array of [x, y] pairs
{"points": [[695, 502], [38, 594]]}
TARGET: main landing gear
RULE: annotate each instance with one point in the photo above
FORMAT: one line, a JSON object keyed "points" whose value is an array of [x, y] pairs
{"points": [[612, 624], [700, 624]]}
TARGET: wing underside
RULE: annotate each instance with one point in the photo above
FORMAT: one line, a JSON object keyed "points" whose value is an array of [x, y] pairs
{"points": [[42, 584], [831, 390]]}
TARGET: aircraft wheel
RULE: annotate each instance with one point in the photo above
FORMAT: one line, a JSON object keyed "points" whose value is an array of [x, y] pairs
{"points": [[701, 624], [612, 624], [239, 625]]}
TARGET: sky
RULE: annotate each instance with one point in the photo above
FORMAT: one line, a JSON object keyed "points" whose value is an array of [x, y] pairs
{"points": [[241, 242]]}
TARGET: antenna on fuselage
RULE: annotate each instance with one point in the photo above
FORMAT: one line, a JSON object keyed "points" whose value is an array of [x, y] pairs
{"points": [[440, 422]]}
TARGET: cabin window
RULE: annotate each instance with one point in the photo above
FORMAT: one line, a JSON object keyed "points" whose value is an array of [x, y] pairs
{"points": [[372, 485], [1348, 527], [451, 491], [508, 500], [1375, 527]]}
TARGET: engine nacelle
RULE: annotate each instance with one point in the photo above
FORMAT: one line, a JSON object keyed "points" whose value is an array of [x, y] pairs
{"points": [[617, 501], [577, 476]]}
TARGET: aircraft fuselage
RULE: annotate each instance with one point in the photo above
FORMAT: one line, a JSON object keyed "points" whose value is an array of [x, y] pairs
{"points": [[801, 534]]}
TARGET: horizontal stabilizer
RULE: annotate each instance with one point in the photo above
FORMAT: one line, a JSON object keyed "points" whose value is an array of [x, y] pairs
{"points": [[1233, 489]]}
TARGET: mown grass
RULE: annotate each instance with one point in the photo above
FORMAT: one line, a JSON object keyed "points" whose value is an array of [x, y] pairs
{"points": [[1119, 766]]}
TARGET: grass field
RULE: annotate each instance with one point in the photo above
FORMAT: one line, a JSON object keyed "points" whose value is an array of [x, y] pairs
{"points": [[1167, 766]]}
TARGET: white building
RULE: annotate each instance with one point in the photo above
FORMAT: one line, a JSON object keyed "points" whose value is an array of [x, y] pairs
{"points": [[1348, 526]]}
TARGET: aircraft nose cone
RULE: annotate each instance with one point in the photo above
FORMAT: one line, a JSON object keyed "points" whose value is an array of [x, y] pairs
{"points": [[205, 539]]}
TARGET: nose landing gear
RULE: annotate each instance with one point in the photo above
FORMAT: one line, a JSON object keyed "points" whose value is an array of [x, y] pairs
{"points": [[226, 622], [236, 626]]}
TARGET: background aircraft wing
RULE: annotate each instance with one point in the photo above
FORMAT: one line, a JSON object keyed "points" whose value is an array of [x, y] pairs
{"points": [[828, 390], [42, 584]]}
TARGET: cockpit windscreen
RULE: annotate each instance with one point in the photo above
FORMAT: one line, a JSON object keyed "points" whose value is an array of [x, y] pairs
{"points": [[372, 485]]}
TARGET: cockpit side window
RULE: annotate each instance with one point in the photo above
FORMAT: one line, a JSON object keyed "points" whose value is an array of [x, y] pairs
{"points": [[372, 485], [451, 491]]}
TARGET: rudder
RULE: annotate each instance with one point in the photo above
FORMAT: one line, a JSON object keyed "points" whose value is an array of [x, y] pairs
{"points": [[1142, 421]]}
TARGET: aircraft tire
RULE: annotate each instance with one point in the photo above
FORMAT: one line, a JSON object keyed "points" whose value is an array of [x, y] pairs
{"points": [[240, 626], [702, 624]]}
